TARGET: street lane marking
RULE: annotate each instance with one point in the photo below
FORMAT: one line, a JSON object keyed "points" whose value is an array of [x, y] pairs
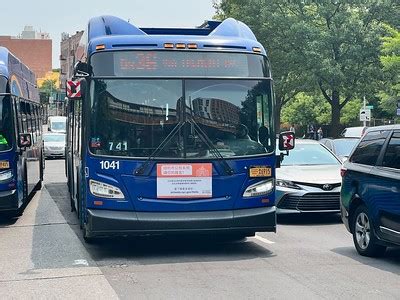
{"points": [[264, 240], [81, 262]]}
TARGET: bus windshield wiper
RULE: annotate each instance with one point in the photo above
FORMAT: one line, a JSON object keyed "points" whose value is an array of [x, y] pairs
{"points": [[203, 136], [214, 150], [141, 170]]}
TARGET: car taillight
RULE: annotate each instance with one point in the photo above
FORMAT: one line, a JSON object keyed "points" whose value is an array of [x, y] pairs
{"points": [[343, 172]]}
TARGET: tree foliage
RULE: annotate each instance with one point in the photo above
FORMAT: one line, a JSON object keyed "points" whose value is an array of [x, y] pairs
{"points": [[391, 65], [47, 89], [328, 45]]}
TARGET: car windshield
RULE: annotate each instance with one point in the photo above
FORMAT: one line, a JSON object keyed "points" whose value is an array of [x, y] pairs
{"points": [[135, 117], [344, 147], [54, 138], [58, 125], [309, 154]]}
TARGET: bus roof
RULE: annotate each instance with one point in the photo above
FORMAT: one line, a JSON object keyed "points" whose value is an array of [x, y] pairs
{"points": [[14, 70], [115, 33]]}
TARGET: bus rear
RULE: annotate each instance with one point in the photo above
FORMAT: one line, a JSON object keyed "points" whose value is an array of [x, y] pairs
{"points": [[175, 140]]}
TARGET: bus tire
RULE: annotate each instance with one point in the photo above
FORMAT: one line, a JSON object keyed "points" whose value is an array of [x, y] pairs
{"points": [[39, 185], [25, 186], [41, 166], [88, 239]]}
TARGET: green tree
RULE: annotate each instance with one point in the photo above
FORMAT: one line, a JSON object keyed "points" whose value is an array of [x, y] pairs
{"points": [[391, 64], [272, 27], [330, 45], [46, 90]]}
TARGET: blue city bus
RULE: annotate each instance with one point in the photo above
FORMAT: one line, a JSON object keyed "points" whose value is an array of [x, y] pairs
{"points": [[21, 146], [173, 131]]}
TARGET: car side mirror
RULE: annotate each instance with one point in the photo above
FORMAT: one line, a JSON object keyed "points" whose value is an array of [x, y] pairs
{"points": [[24, 140]]}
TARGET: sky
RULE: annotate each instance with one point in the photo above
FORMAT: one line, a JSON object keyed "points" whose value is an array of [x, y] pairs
{"points": [[55, 17]]}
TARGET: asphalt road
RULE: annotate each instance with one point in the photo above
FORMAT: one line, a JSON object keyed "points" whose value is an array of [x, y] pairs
{"points": [[44, 256]]}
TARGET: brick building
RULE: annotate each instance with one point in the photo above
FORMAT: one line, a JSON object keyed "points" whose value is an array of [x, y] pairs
{"points": [[71, 52], [34, 49]]}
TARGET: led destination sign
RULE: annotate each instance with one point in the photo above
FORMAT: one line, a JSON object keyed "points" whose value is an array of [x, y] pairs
{"points": [[178, 64]]}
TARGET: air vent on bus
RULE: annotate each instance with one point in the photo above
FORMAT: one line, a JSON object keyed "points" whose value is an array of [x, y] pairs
{"points": [[224, 47], [133, 45]]}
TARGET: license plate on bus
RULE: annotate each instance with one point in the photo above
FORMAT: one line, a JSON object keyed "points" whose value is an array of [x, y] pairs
{"points": [[260, 171], [4, 164]]}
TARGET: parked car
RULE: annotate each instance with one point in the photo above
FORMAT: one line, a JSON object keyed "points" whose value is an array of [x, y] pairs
{"points": [[342, 147], [370, 195], [353, 132], [57, 124], [54, 144], [308, 180]]}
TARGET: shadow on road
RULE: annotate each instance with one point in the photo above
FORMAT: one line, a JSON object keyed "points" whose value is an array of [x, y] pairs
{"points": [[179, 249], [157, 249], [390, 262], [309, 219]]}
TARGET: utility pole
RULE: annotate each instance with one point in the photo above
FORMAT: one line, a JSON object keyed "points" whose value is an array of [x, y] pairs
{"points": [[365, 121]]}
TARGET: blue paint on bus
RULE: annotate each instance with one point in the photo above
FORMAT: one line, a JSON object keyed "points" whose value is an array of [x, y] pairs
{"points": [[21, 170], [175, 96]]}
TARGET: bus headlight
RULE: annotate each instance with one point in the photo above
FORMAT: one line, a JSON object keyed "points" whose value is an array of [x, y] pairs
{"points": [[259, 189], [6, 175], [104, 190]]}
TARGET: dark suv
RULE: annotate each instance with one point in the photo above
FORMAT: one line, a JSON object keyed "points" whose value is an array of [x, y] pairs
{"points": [[370, 195]]}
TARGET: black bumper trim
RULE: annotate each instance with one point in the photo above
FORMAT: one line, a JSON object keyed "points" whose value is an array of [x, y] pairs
{"points": [[8, 200], [107, 223]]}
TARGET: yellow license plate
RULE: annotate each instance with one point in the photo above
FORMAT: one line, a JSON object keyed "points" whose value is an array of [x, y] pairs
{"points": [[260, 172], [4, 164]]}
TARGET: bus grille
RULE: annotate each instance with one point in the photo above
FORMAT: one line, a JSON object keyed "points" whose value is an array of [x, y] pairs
{"points": [[311, 202]]}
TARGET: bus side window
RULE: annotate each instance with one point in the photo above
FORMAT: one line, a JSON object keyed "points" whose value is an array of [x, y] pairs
{"points": [[75, 124], [33, 122], [79, 114], [24, 125], [18, 115]]}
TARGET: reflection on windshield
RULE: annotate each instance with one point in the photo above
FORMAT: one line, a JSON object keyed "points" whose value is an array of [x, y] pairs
{"points": [[133, 117], [3, 84], [58, 126], [344, 147], [6, 132], [309, 154]]}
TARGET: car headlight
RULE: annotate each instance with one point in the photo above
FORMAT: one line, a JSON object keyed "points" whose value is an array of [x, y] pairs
{"points": [[6, 175], [287, 184], [259, 189], [104, 190]]}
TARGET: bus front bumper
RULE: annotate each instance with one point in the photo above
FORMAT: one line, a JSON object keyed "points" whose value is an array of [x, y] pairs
{"points": [[242, 221], [8, 200]]}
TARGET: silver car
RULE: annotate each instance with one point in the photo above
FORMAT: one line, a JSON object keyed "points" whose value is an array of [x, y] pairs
{"points": [[54, 144], [308, 180]]}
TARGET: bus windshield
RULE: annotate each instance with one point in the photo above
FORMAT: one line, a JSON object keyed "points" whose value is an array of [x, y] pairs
{"points": [[135, 117], [6, 132]]}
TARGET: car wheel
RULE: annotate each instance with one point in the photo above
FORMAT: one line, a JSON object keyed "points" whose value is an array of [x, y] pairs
{"points": [[364, 236]]}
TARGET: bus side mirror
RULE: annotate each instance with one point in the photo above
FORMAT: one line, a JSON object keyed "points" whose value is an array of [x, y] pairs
{"points": [[81, 69], [24, 140], [286, 141]]}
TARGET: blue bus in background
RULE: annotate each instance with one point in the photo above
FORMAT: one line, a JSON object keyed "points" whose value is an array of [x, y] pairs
{"points": [[21, 146], [173, 131]]}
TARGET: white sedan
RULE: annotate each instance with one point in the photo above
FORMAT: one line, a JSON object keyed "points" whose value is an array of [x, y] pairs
{"points": [[54, 144], [308, 180]]}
